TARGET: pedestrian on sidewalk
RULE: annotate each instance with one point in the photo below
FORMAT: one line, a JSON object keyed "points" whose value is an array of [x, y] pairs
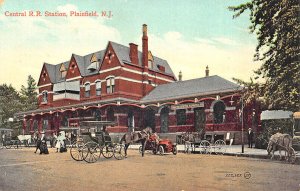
{"points": [[250, 138]]}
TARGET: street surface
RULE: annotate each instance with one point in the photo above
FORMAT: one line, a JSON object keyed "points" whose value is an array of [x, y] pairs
{"points": [[21, 169]]}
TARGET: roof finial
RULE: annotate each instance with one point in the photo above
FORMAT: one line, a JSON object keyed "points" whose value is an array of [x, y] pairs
{"points": [[180, 76], [206, 72]]}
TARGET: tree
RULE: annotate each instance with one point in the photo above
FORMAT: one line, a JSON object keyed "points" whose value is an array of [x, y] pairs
{"points": [[10, 103], [29, 95], [276, 24]]}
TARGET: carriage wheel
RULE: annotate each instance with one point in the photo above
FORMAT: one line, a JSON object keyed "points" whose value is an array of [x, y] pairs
{"points": [[174, 150], [119, 151], [293, 155], [76, 151], [8, 145], [161, 150], [108, 151], [220, 147], [91, 152], [205, 147]]}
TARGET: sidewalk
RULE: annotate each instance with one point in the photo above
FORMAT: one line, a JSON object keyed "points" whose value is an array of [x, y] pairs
{"points": [[236, 150]]}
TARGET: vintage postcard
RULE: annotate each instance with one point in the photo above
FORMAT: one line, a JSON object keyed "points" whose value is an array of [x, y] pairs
{"points": [[149, 95]]}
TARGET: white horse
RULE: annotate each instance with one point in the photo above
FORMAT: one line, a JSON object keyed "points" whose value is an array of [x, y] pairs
{"points": [[280, 142], [26, 139]]}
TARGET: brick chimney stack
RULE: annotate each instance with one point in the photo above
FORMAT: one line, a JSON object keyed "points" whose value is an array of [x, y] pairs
{"points": [[145, 46], [206, 72], [133, 53]]}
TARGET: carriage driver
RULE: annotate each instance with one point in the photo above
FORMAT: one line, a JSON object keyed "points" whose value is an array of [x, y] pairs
{"points": [[155, 138]]}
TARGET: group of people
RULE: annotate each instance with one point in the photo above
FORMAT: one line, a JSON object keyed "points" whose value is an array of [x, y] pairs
{"points": [[59, 141]]}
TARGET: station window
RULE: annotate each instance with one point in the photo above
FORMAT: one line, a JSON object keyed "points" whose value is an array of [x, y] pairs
{"points": [[87, 90], [181, 116], [45, 97], [110, 85], [219, 112], [98, 88]]}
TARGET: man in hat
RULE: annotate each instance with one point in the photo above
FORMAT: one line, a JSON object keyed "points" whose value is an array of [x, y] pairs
{"points": [[250, 137]]}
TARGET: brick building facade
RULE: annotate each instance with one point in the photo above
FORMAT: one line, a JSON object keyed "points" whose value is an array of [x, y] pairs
{"points": [[135, 90]]}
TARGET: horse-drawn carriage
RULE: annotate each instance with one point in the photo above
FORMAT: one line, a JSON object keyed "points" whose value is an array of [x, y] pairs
{"points": [[7, 140], [194, 143], [93, 142], [281, 142]]}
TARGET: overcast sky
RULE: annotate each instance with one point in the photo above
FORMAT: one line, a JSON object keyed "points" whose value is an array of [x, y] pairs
{"points": [[188, 34]]}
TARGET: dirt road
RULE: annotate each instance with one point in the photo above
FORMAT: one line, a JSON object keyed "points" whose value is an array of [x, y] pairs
{"points": [[23, 170]]}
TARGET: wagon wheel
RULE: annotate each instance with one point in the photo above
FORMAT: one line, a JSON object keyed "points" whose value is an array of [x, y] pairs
{"points": [[119, 151], [220, 147], [8, 144], [108, 151], [161, 150], [174, 150], [76, 151], [205, 147], [91, 152], [293, 155]]}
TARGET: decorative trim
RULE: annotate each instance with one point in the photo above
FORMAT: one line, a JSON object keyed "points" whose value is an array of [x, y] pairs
{"points": [[75, 78], [45, 85], [110, 69]]}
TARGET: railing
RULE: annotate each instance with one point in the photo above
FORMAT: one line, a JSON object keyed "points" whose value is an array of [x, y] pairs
{"points": [[66, 96]]}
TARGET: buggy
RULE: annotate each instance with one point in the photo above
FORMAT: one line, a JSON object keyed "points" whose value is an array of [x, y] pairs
{"points": [[89, 145]]}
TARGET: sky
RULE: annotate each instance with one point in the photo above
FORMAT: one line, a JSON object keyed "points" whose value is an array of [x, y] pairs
{"points": [[188, 34]]}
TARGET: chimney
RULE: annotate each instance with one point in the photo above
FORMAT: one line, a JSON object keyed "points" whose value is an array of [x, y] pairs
{"points": [[145, 46], [206, 72], [133, 54], [180, 76]]}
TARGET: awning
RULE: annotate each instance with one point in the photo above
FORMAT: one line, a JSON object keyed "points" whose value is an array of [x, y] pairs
{"points": [[62, 86], [276, 114], [59, 87], [73, 86]]}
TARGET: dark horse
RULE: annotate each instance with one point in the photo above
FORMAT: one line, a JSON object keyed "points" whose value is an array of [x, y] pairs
{"points": [[134, 137]]}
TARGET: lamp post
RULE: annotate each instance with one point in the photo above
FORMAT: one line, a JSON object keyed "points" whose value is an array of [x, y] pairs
{"points": [[242, 115]]}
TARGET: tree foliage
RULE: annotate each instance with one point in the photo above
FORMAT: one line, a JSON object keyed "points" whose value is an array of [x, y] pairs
{"points": [[12, 102], [29, 95], [276, 25]]}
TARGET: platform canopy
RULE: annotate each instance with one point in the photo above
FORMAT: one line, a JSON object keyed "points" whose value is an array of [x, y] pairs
{"points": [[276, 114]]}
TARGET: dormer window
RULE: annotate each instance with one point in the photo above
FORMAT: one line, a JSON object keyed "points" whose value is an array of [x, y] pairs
{"points": [[94, 63], [87, 89], [110, 85], [63, 71], [150, 64]]}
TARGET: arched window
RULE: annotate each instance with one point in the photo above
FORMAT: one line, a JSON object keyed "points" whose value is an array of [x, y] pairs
{"points": [[87, 89], [45, 97], [110, 85], [98, 88], [219, 109]]}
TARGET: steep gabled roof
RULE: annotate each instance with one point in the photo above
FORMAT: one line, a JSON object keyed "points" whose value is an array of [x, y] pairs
{"points": [[195, 87], [123, 55], [83, 62], [51, 71]]}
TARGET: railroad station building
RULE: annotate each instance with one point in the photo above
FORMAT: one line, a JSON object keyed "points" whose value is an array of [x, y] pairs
{"points": [[136, 89]]}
